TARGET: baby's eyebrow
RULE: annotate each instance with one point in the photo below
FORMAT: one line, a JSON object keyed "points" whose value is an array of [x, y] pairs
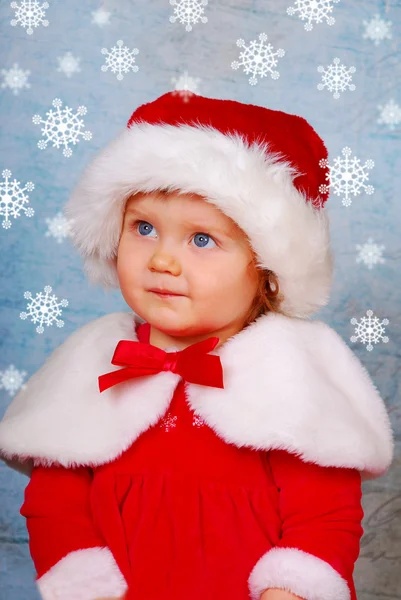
{"points": [[222, 230]]}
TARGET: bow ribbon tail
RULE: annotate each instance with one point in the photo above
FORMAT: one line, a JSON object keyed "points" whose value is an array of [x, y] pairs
{"points": [[109, 379], [206, 370]]}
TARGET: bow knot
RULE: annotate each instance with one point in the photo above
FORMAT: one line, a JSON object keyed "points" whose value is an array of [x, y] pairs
{"points": [[194, 364]]}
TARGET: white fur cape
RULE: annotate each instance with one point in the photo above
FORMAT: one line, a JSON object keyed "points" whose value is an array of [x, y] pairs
{"points": [[289, 383]]}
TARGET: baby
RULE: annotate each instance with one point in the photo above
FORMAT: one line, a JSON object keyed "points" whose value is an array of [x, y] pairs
{"points": [[222, 455]]}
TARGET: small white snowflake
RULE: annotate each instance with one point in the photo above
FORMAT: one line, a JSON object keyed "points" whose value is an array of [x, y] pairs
{"points": [[336, 78], [168, 422], [369, 330], [313, 11], [258, 59], [377, 30], [12, 380], [188, 12], [390, 114], [68, 64], [13, 199], [44, 309], [185, 86], [29, 13], [197, 421], [15, 78], [347, 176], [370, 253], [101, 17], [62, 127], [59, 227], [120, 60]]}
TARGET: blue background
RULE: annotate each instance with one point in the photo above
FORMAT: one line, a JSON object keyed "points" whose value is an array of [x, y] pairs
{"points": [[32, 259]]}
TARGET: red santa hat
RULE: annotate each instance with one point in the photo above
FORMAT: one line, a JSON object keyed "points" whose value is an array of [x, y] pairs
{"points": [[259, 166]]}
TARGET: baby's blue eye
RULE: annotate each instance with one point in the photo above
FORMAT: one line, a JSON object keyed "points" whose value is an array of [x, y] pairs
{"points": [[143, 227]]}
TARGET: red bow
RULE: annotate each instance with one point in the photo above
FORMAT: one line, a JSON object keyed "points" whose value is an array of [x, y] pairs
{"points": [[192, 363]]}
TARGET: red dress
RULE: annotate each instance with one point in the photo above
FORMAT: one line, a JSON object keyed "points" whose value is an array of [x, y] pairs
{"points": [[187, 516]]}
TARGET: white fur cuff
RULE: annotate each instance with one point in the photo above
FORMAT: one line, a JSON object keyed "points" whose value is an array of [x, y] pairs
{"points": [[297, 572], [83, 575]]}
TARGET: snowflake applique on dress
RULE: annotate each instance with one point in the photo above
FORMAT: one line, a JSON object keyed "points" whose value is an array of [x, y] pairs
{"points": [[120, 59], [168, 422], [188, 12], [44, 309], [347, 176], [15, 78], [62, 127], [377, 30], [12, 380], [258, 58], [370, 253], [29, 13], [369, 330], [313, 11], [336, 78], [13, 199]]}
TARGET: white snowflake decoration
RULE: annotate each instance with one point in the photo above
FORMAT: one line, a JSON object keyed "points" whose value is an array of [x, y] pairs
{"points": [[13, 199], [258, 59], [369, 330], [390, 114], [12, 380], [336, 78], [29, 13], [16, 79], [313, 11], [377, 30], [168, 422], [347, 176], [370, 253], [185, 86], [59, 227], [188, 12], [197, 421], [120, 60], [100, 17], [68, 64], [62, 127], [44, 309]]}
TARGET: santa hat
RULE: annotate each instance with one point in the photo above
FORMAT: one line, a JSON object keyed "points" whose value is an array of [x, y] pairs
{"points": [[259, 166]]}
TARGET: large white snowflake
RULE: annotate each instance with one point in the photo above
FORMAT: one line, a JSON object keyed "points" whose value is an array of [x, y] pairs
{"points": [[120, 60], [377, 30], [370, 253], [258, 58], [13, 199], [390, 114], [62, 127], [68, 64], [185, 86], [313, 11], [12, 380], [188, 12], [347, 176], [44, 309], [59, 227], [101, 17], [29, 13], [369, 330], [15, 78], [336, 78]]}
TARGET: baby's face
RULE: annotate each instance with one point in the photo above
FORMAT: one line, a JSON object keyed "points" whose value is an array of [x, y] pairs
{"points": [[186, 245]]}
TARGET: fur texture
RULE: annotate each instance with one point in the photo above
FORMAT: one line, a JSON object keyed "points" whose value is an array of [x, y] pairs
{"points": [[290, 384], [83, 575], [285, 568]]}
